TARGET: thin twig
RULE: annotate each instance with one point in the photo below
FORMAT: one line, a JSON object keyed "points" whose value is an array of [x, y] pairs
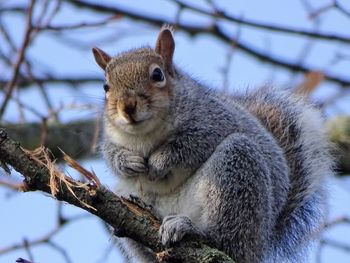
{"points": [[341, 8], [20, 57], [70, 80], [60, 250], [45, 239], [336, 244], [214, 30], [321, 10], [22, 260], [12, 185], [261, 25], [27, 248], [76, 26], [42, 90]]}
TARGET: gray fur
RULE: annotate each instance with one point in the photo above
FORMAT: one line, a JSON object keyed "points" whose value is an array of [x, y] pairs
{"points": [[245, 173], [299, 130]]}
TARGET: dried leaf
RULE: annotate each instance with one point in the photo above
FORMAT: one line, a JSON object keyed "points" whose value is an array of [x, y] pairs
{"points": [[91, 176], [310, 83], [42, 156]]}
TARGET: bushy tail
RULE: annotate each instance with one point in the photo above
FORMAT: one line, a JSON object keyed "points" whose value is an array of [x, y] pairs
{"points": [[299, 130]]}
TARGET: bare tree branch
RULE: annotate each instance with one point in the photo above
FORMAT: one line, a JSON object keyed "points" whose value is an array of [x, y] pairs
{"points": [[214, 30], [20, 57], [77, 139], [219, 13], [73, 80]]}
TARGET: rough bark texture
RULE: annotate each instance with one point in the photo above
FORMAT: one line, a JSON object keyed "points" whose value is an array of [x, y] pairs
{"points": [[130, 219]]}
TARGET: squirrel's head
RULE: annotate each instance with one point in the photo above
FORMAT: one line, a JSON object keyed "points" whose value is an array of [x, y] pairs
{"points": [[138, 84]]}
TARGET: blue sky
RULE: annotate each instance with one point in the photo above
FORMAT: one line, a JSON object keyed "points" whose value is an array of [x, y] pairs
{"points": [[30, 215]]}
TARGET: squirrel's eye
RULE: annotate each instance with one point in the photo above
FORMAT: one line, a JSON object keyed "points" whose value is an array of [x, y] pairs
{"points": [[157, 75], [106, 87]]}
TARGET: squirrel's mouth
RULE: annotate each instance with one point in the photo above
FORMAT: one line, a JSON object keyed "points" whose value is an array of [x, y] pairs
{"points": [[131, 120], [138, 122], [134, 122]]}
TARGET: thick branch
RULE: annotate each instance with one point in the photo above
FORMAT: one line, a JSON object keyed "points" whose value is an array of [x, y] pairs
{"points": [[126, 217], [78, 139]]}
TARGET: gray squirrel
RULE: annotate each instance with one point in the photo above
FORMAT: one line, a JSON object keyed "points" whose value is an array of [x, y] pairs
{"points": [[244, 172]]}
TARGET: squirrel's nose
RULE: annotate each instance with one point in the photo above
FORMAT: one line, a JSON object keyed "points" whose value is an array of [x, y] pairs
{"points": [[128, 107]]}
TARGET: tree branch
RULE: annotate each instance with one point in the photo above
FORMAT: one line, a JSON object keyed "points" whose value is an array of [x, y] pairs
{"points": [[20, 57], [133, 221], [219, 13], [77, 139], [214, 30], [74, 80]]}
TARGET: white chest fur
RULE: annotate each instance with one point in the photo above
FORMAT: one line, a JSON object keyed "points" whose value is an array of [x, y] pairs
{"points": [[139, 142], [186, 199], [177, 194]]}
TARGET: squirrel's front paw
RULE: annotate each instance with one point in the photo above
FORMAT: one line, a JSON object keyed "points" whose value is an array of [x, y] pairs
{"points": [[130, 164], [157, 168], [174, 228]]}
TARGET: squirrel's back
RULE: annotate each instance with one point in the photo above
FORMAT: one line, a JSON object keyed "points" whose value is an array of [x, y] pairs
{"points": [[299, 130]]}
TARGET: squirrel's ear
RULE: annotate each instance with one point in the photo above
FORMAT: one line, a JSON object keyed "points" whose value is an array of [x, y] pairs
{"points": [[101, 57], [165, 47]]}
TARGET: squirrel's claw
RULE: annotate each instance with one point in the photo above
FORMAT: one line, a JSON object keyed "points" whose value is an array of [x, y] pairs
{"points": [[174, 228], [132, 165], [157, 167]]}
